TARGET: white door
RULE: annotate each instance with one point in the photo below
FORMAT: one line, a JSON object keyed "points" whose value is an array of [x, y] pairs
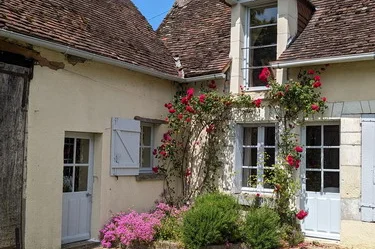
{"points": [[77, 187], [320, 176]]}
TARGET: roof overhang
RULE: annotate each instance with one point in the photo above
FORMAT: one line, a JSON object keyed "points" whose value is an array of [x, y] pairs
{"points": [[323, 60]]}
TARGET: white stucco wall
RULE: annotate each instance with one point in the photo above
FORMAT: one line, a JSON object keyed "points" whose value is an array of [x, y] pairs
{"points": [[84, 98]]}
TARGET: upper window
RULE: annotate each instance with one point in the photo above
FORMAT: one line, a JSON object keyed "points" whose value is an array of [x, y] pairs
{"points": [[146, 144], [259, 152], [260, 43]]}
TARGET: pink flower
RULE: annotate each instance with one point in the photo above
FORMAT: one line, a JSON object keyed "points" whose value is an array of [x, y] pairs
{"points": [[299, 149], [190, 92], [301, 214], [202, 97], [172, 110], [315, 107], [324, 99], [257, 102], [264, 75], [155, 169], [311, 71], [185, 100], [189, 109], [317, 84]]}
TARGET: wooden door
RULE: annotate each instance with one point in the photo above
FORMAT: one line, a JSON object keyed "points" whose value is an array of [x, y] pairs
{"points": [[13, 114]]}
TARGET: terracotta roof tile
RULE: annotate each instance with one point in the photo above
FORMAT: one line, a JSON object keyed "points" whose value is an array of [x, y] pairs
{"points": [[338, 27], [111, 28], [198, 31]]}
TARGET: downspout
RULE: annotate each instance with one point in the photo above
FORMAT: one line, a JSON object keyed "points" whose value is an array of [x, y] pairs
{"points": [[102, 59], [323, 61]]}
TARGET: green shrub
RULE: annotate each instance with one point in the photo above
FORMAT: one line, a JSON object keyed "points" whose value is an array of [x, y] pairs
{"points": [[170, 229], [292, 234], [214, 219], [262, 229]]}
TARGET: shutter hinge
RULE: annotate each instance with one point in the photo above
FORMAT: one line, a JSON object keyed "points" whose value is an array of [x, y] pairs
{"points": [[367, 205], [116, 158]]}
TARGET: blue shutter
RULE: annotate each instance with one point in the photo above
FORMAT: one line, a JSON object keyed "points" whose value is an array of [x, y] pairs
{"points": [[368, 168], [238, 159], [125, 147]]}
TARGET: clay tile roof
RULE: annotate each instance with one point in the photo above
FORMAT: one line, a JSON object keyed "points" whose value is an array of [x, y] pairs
{"points": [[111, 28], [198, 31], [338, 27]]}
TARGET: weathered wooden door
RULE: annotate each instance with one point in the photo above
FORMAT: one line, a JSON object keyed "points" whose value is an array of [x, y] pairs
{"points": [[13, 104]]}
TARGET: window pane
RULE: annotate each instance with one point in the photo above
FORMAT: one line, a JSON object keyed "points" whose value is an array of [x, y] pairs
{"points": [[146, 135], [313, 181], [68, 150], [331, 135], [332, 182], [261, 16], [313, 135], [263, 36], [269, 157], [250, 136], [267, 177], [249, 178], [313, 157], [262, 56], [331, 158], [83, 150], [146, 158], [269, 136], [254, 78], [80, 178], [68, 179], [250, 157]]}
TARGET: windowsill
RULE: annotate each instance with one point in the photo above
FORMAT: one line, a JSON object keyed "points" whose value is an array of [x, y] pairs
{"points": [[149, 176], [257, 89], [246, 197]]}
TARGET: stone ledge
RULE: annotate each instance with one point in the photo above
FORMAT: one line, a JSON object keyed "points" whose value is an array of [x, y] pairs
{"points": [[149, 177]]}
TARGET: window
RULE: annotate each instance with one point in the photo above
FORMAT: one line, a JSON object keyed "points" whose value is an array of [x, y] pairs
{"points": [[260, 43], [259, 153], [322, 158], [146, 144]]}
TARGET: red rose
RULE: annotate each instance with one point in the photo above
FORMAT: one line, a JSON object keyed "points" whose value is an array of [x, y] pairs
{"points": [[202, 97], [210, 128], [163, 153], [280, 94], [317, 84], [324, 99], [311, 71], [172, 110], [301, 214], [299, 149], [188, 120], [180, 116], [263, 76], [189, 109], [268, 85], [290, 159], [315, 107], [188, 172], [185, 100], [169, 105], [212, 85], [166, 119], [154, 152], [155, 169], [257, 102], [258, 195], [167, 137], [190, 92], [317, 78], [296, 164]]}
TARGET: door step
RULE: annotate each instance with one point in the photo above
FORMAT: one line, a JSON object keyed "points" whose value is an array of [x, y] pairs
{"points": [[81, 245]]}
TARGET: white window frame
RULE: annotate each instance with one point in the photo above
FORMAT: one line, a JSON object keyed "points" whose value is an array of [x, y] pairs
{"points": [[151, 146], [247, 49], [260, 154], [321, 147]]}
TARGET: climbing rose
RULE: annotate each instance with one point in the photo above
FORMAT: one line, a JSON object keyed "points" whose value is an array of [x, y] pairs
{"points": [[202, 97], [189, 109], [188, 120], [301, 214], [315, 107], [258, 195], [190, 92], [210, 128], [180, 116], [290, 160], [324, 99], [298, 149], [263, 76], [212, 85], [172, 110], [257, 102], [317, 78], [155, 169], [185, 100], [297, 163], [188, 172], [154, 152], [169, 105], [163, 153], [311, 71], [167, 137], [317, 84]]}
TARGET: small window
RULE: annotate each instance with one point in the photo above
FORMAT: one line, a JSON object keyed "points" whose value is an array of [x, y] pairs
{"points": [[260, 43], [259, 154], [146, 146]]}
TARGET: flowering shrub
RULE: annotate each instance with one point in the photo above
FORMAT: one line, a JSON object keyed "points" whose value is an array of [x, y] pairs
{"points": [[191, 148], [136, 228]]}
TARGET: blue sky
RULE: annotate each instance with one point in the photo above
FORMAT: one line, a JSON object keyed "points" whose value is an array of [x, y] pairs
{"points": [[154, 10]]}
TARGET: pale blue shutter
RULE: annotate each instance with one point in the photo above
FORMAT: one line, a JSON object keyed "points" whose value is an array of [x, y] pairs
{"points": [[238, 159], [368, 168], [125, 147]]}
